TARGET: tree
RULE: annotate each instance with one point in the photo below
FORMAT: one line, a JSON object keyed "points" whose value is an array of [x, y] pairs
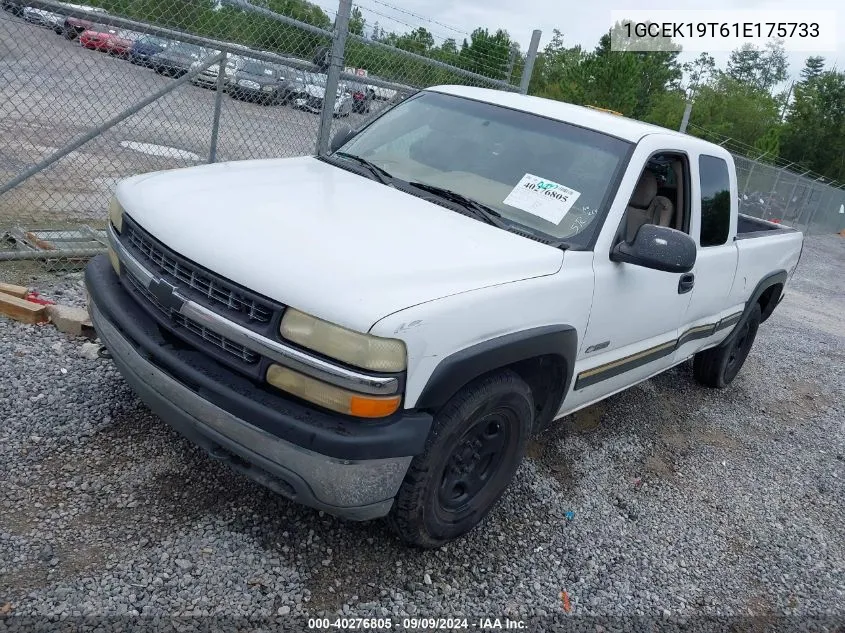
{"points": [[700, 71], [813, 67], [814, 135], [417, 41], [487, 54], [357, 21], [736, 109], [763, 69], [743, 64]]}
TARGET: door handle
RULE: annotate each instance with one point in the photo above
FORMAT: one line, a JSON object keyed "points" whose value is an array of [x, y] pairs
{"points": [[686, 283]]}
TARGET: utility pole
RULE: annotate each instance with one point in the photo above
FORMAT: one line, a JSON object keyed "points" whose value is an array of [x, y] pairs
{"points": [[786, 102]]}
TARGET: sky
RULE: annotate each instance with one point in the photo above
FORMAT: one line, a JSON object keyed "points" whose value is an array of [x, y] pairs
{"points": [[582, 23]]}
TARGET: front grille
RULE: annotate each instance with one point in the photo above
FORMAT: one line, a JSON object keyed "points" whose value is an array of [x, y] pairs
{"points": [[316, 103], [200, 331], [208, 288]]}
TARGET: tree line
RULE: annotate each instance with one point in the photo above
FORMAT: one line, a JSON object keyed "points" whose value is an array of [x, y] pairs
{"points": [[802, 124]]}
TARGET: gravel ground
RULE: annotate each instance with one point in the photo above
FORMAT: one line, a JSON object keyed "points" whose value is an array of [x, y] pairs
{"points": [[684, 501]]}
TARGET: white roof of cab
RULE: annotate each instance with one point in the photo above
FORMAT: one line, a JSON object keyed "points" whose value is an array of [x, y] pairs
{"points": [[613, 124]]}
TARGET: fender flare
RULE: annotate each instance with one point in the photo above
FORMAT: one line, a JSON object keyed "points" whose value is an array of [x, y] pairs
{"points": [[772, 279], [457, 370]]}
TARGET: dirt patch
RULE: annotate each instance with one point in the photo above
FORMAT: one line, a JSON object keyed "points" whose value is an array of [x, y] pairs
{"points": [[543, 447], [659, 467], [337, 579]]}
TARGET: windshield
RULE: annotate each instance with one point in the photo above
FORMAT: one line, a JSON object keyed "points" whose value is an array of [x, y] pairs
{"points": [[154, 41], [188, 49], [256, 68], [319, 80], [547, 175]]}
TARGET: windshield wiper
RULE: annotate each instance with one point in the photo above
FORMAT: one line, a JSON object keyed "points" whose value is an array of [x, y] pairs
{"points": [[486, 214], [480, 211], [382, 175]]}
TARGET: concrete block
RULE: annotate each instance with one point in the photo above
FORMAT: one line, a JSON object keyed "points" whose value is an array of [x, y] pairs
{"points": [[71, 320]]}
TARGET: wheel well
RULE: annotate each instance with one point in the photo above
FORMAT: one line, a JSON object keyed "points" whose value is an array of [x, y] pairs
{"points": [[769, 300], [545, 375]]}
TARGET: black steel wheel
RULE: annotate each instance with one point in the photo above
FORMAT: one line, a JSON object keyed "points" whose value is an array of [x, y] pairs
{"points": [[476, 445]]}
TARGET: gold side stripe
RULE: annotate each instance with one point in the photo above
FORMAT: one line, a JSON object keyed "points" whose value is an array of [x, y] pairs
{"points": [[736, 315], [656, 348], [627, 359], [698, 328]]}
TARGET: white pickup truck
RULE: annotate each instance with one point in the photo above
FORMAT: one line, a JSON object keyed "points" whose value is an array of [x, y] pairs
{"points": [[377, 332]]}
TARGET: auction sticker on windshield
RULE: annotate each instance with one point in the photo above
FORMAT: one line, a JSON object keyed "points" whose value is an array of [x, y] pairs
{"points": [[544, 198]]}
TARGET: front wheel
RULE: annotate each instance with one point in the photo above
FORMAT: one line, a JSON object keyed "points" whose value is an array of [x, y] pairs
{"points": [[717, 367], [472, 453]]}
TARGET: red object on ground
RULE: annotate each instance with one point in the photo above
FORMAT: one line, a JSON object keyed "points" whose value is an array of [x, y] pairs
{"points": [[567, 606], [34, 297], [776, 221]]}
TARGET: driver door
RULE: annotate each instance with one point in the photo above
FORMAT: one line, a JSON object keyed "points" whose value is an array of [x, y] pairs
{"points": [[636, 311]]}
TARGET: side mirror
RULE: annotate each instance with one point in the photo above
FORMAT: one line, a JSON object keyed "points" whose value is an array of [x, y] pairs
{"points": [[341, 136], [659, 248]]}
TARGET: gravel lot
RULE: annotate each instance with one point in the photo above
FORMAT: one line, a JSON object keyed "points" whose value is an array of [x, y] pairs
{"points": [[685, 501], [53, 90]]}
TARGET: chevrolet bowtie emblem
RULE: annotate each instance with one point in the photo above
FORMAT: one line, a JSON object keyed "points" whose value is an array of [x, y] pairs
{"points": [[166, 295]]}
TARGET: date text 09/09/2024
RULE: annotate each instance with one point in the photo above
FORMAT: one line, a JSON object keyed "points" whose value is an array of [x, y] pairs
{"points": [[415, 624]]}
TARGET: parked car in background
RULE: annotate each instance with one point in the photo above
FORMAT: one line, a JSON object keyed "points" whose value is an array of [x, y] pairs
{"points": [[145, 47], [208, 77], [298, 80], [362, 96], [42, 17], [176, 60], [15, 7], [108, 40], [74, 27], [314, 95], [259, 81]]}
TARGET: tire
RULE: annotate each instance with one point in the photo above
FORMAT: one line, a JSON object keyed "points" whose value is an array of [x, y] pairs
{"points": [[717, 367], [436, 502]]}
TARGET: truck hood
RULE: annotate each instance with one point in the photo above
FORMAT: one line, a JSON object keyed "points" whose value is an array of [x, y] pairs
{"points": [[326, 241]]}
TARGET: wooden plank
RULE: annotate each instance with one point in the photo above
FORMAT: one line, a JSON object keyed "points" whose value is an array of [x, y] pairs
{"points": [[15, 291], [22, 310]]}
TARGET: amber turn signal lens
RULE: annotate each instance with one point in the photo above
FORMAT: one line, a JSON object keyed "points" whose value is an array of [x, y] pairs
{"points": [[373, 406], [331, 397]]}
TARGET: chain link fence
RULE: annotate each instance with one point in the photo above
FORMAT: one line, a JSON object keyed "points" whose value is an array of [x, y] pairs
{"points": [[795, 199], [91, 95]]}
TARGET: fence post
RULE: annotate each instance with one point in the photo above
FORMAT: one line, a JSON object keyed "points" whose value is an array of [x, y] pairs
{"points": [[771, 195], [218, 102], [685, 118], [341, 30], [530, 58]]}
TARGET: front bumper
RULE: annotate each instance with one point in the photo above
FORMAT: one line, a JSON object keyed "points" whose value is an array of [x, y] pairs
{"points": [[205, 80], [354, 472], [250, 94]]}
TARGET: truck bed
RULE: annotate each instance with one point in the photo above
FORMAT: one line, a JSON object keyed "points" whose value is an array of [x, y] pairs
{"points": [[748, 226]]}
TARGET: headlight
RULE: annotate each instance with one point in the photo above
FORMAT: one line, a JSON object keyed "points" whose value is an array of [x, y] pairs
{"points": [[116, 214], [267, 89], [361, 350], [331, 397]]}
